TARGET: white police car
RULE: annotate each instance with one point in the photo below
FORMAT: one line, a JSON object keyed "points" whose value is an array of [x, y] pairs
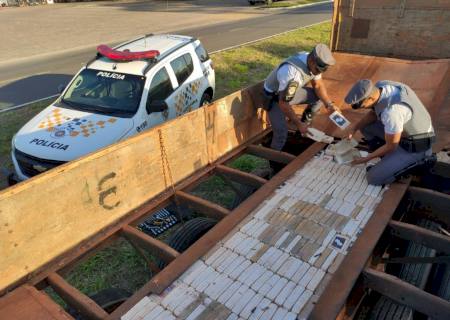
{"points": [[122, 92]]}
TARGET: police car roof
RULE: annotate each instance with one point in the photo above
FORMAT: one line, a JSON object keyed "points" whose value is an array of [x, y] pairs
{"points": [[164, 43]]}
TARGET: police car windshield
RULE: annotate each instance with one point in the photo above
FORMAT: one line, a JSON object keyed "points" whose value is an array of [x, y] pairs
{"points": [[105, 92]]}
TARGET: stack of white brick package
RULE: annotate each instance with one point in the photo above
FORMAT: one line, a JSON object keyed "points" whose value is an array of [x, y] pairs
{"points": [[277, 263]]}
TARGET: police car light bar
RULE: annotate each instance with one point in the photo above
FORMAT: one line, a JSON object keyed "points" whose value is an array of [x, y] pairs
{"points": [[123, 56]]}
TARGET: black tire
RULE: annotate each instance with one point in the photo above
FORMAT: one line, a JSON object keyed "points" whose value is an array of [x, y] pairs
{"points": [[190, 232], [108, 299], [246, 191], [252, 3], [205, 100], [12, 180]]}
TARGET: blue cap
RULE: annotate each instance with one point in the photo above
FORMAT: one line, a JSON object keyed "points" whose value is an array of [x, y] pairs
{"points": [[360, 91]]}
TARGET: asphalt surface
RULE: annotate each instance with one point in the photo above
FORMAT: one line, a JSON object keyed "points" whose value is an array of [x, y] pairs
{"points": [[37, 78]]}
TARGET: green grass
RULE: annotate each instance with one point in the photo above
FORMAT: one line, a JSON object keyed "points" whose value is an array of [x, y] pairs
{"points": [[290, 3], [245, 66], [11, 122], [248, 163], [118, 265]]}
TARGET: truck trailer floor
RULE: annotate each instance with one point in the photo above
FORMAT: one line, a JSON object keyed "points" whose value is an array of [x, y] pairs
{"points": [[278, 261]]}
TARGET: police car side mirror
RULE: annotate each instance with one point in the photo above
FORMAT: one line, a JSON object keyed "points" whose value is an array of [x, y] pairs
{"points": [[156, 106], [61, 88]]}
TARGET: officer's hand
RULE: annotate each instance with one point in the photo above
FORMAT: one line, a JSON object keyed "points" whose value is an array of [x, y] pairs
{"points": [[303, 128], [350, 134], [331, 107], [359, 161]]}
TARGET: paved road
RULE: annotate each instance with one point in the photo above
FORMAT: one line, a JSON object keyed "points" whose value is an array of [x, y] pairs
{"points": [[39, 77]]}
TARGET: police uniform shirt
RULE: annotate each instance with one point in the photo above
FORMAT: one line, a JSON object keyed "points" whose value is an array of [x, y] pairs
{"points": [[287, 73], [394, 117]]}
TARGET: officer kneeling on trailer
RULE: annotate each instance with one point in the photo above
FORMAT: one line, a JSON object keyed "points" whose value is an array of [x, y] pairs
{"points": [[285, 86], [398, 128]]}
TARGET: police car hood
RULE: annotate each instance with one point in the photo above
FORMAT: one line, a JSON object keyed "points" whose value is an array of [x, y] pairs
{"points": [[62, 134]]}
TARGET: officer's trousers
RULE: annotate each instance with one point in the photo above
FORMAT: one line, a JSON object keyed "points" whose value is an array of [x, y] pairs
{"points": [[392, 163], [277, 118]]}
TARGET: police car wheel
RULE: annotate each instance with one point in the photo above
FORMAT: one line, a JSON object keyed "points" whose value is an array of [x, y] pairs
{"points": [[12, 180], [205, 100]]}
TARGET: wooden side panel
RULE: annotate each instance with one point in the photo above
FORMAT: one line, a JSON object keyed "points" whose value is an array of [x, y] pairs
{"points": [[395, 28], [233, 120], [52, 213]]}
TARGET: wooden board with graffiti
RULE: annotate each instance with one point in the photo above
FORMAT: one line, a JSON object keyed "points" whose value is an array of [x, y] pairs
{"points": [[53, 212]]}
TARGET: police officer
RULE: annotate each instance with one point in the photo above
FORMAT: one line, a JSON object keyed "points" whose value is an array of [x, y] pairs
{"points": [[285, 86], [398, 128]]}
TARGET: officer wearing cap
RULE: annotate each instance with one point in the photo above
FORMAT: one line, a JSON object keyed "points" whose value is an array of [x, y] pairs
{"points": [[398, 128], [285, 86]]}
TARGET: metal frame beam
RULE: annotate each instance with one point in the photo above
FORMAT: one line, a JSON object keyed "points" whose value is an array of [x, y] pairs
{"points": [[417, 260], [437, 201], [270, 154], [164, 251], [240, 176], [208, 208], [85, 305], [407, 294], [420, 235]]}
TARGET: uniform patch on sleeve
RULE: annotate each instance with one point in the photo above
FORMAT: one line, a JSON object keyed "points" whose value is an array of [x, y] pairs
{"points": [[290, 91]]}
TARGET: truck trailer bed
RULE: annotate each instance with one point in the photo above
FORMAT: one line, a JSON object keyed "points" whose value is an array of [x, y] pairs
{"points": [[294, 222], [278, 261]]}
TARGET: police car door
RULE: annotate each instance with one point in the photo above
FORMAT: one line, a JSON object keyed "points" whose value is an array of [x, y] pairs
{"points": [[161, 89], [187, 94]]}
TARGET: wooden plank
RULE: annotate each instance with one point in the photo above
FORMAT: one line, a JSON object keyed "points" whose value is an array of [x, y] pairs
{"points": [[85, 305], [75, 201], [81, 198], [206, 207], [90, 245], [163, 279], [334, 296], [233, 120], [240, 176], [420, 235], [438, 202], [407, 294], [153, 245], [270, 154], [27, 303]]}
